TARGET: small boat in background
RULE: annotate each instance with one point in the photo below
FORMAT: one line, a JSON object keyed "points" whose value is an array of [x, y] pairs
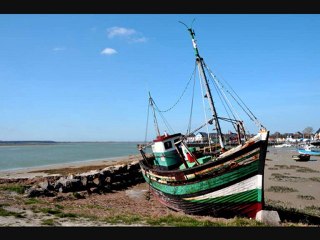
{"points": [[283, 145], [310, 150], [301, 157]]}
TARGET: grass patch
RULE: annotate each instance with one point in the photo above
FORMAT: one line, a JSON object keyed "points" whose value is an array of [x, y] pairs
{"points": [[180, 221], [88, 216], [57, 212], [313, 210], [104, 208], [48, 222], [306, 197], [124, 219], [245, 222], [186, 221], [50, 211], [94, 207], [32, 201], [277, 203], [58, 206], [4, 205], [13, 188], [281, 189], [66, 215], [6, 213]]}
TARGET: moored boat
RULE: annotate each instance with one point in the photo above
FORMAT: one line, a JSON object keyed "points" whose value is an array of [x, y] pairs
{"points": [[310, 150], [301, 157], [213, 180]]}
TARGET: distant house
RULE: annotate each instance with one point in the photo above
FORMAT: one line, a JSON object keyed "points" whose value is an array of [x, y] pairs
{"points": [[201, 137], [191, 138], [298, 135]]}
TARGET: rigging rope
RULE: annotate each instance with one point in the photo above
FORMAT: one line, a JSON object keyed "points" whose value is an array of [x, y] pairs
{"points": [[170, 129], [191, 110], [186, 87], [247, 110], [204, 110], [221, 87], [224, 100]]}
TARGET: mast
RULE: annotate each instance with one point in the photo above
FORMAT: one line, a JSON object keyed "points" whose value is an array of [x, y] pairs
{"points": [[209, 96], [154, 115]]}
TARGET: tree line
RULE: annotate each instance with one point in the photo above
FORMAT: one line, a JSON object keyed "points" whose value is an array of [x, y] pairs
{"points": [[305, 133]]}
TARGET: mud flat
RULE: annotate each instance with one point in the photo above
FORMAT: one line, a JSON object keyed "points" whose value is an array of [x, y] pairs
{"points": [[292, 184]]}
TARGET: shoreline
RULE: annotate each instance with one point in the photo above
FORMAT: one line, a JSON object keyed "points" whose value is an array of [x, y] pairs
{"points": [[42, 171]]}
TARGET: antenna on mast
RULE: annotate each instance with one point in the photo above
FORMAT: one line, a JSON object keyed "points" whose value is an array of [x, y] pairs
{"points": [[184, 24], [187, 25]]}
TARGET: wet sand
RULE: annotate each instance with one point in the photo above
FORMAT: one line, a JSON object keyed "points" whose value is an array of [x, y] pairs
{"points": [[298, 183]]}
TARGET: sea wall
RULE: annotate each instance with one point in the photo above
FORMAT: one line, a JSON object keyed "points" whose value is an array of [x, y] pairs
{"points": [[111, 178]]}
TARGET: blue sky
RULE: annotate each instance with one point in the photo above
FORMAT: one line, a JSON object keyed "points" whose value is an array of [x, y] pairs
{"points": [[75, 77]]}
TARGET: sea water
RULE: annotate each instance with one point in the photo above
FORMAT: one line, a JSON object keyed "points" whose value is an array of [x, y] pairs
{"points": [[25, 156]]}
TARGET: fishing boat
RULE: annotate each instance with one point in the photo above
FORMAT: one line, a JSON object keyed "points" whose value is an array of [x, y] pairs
{"points": [[310, 150], [213, 179]]}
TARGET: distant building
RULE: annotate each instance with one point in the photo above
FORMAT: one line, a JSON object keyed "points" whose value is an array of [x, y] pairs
{"points": [[201, 137], [230, 138], [191, 138]]}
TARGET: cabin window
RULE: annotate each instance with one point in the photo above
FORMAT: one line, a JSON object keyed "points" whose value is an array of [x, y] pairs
{"points": [[167, 145]]}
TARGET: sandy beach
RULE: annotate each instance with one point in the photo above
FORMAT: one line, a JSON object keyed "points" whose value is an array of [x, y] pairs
{"points": [[288, 184]]}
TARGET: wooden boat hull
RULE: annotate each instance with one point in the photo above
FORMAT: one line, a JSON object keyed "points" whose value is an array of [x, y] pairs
{"points": [[231, 185], [301, 157]]}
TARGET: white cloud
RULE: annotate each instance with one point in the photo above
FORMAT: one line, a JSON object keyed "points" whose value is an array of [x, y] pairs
{"points": [[108, 51], [120, 31], [57, 49], [128, 33]]}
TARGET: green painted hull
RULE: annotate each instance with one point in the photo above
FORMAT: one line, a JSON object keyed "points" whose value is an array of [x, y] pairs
{"points": [[231, 185]]}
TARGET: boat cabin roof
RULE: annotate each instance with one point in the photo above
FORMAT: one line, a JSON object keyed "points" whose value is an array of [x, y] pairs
{"points": [[166, 137]]}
